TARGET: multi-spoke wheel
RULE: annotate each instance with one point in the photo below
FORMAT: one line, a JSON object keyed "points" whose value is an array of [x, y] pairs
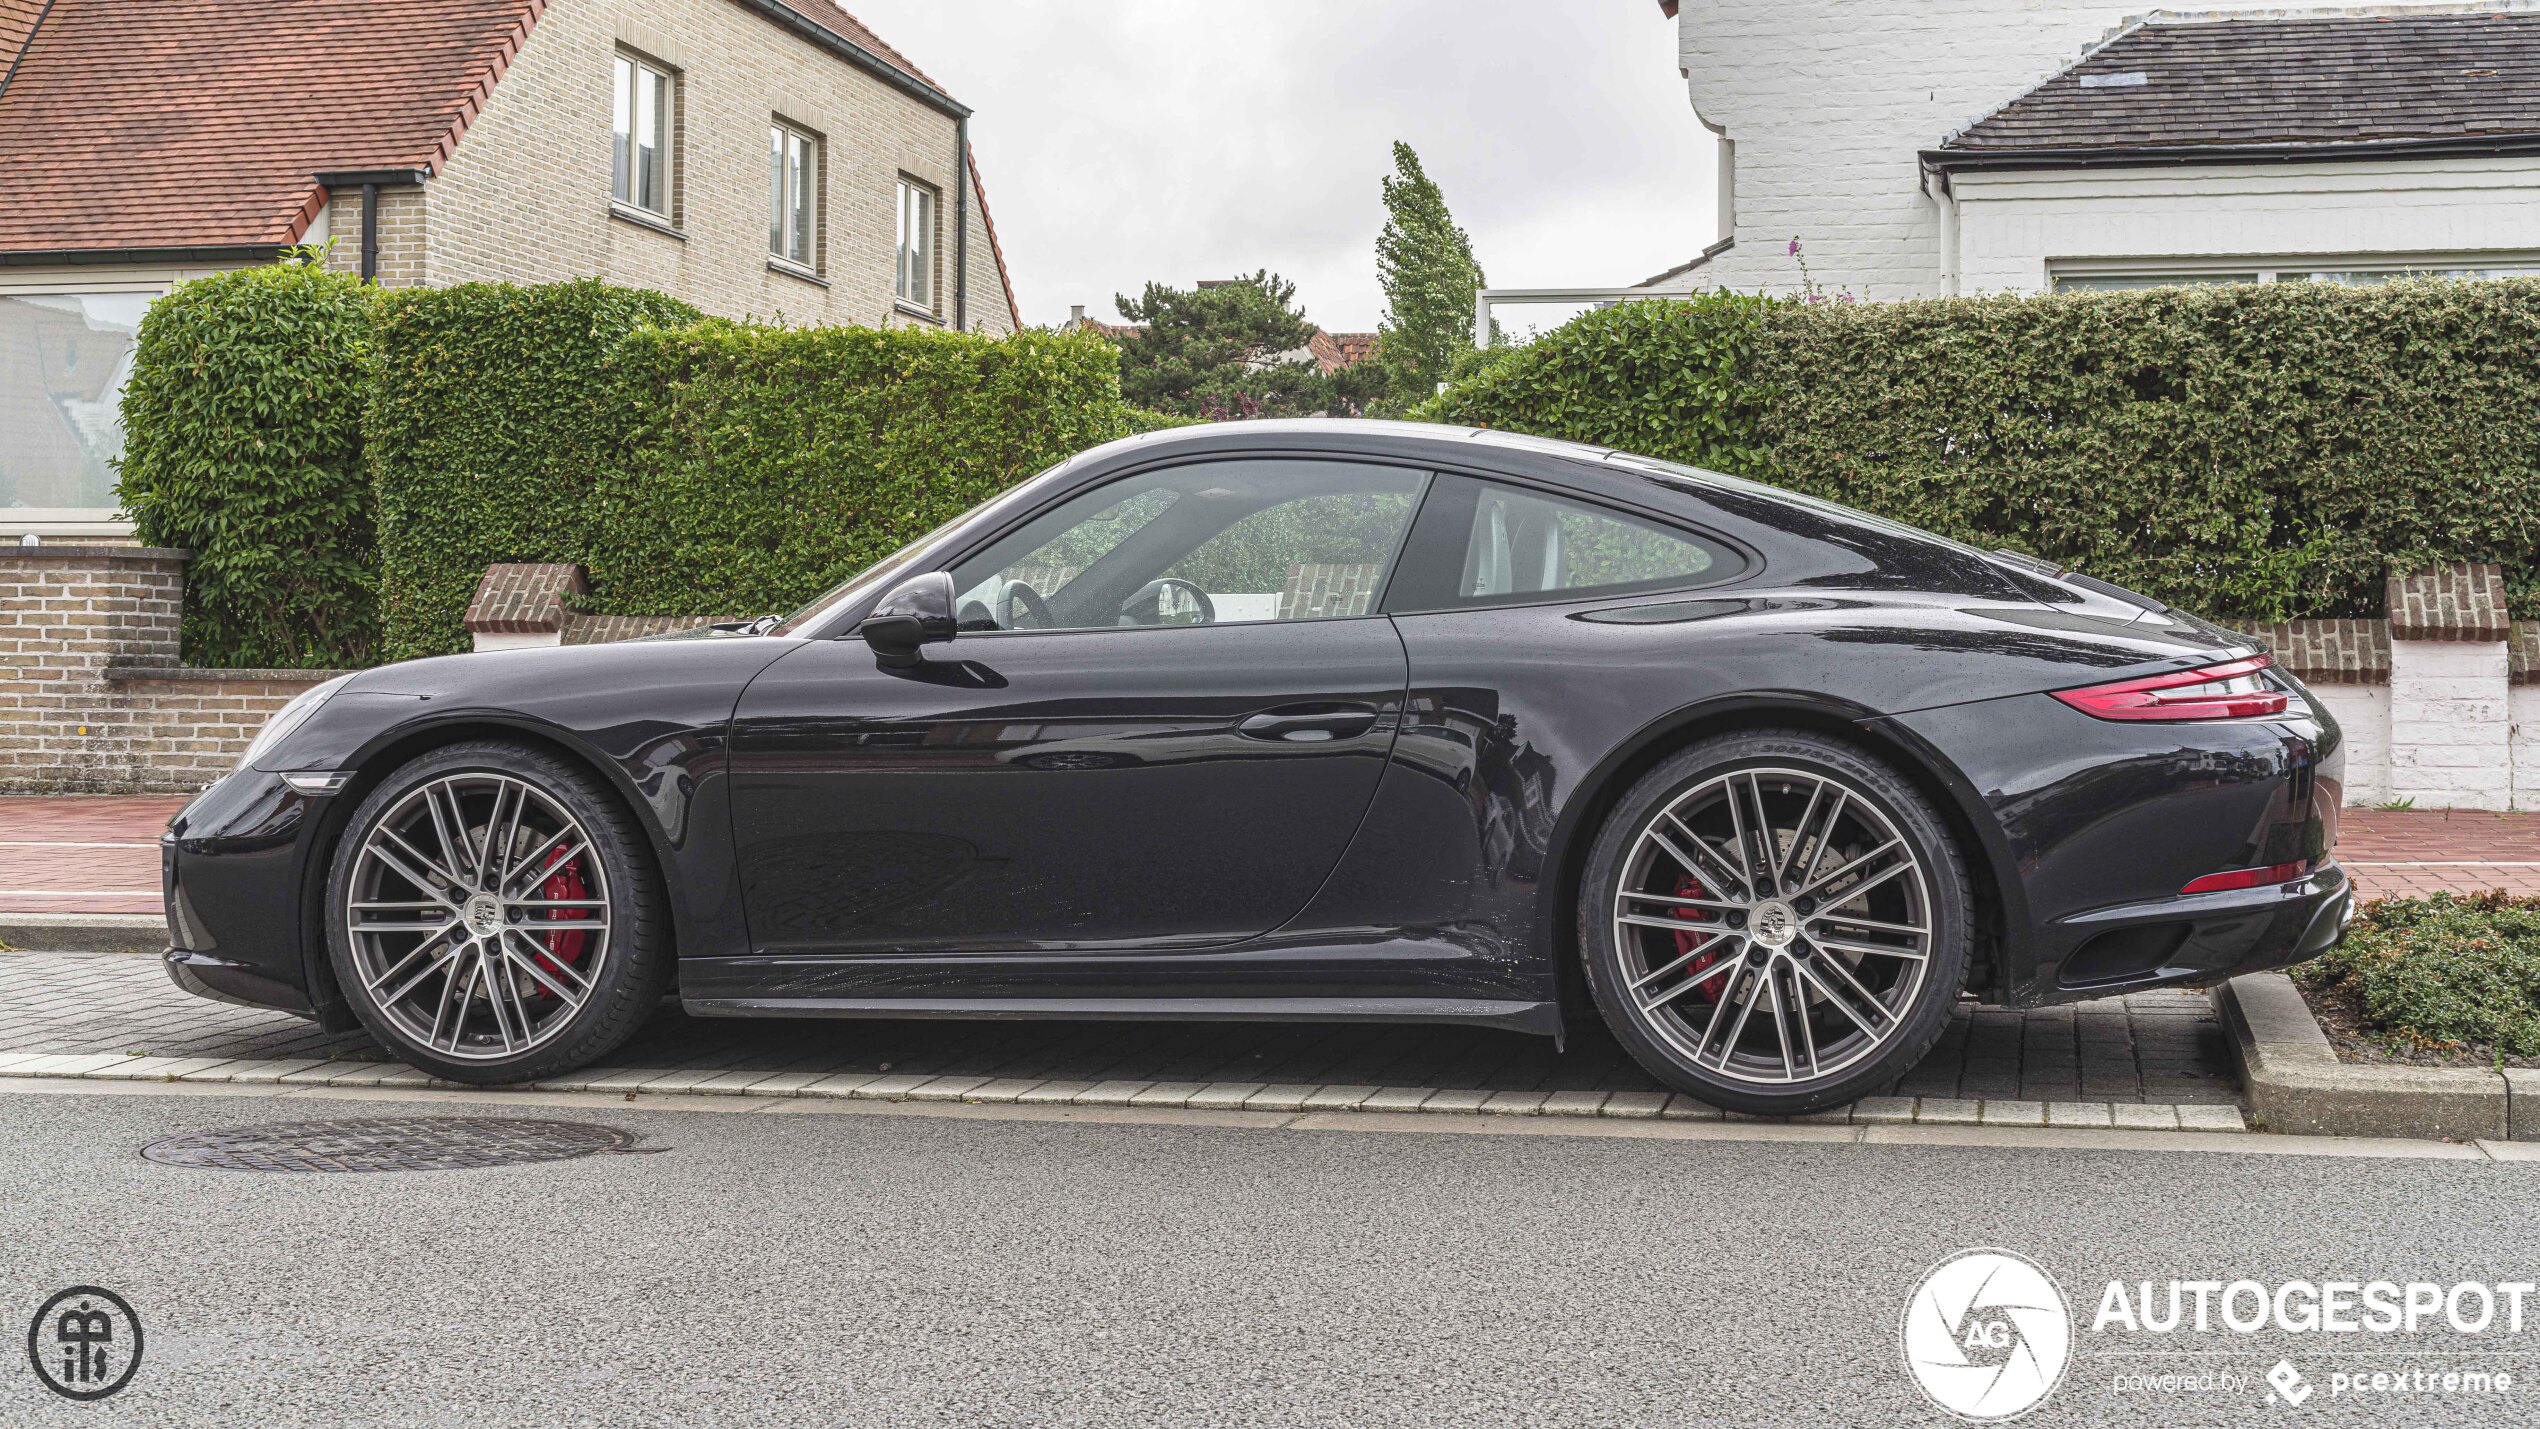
{"points": [[492, 916], [1775, 922]]}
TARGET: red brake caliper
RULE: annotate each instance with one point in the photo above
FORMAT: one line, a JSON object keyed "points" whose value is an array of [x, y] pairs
{"points": [[564, 880], [1690, 887]]}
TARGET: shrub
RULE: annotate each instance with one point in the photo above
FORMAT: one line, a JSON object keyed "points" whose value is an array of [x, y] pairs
{"points": [[2251, 452], [767, 464], [1662, 378], [498, 408], [242, 444], [2444, 972]]}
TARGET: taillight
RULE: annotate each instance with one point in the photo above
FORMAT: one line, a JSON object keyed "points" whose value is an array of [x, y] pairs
{"points": [[2247, 878], [2233, 690]]}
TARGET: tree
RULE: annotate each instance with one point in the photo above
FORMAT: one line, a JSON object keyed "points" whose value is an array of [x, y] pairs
{"points": [[1430, 278], [1222, 350]]}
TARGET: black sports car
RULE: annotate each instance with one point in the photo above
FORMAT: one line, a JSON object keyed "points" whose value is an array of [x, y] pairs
{"points": [[1308, 720]]}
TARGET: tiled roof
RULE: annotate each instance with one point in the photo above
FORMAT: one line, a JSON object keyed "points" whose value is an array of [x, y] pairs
{"points": [[17, 21], [2306, 84], [834, 16], [198, 123]]}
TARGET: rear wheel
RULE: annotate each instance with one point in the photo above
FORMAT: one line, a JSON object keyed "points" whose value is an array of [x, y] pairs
{"points": [[1775, 922], [493, 915]]}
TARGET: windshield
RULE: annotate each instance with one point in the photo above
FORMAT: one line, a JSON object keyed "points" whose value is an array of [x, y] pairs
{"points": [[891, 566]]}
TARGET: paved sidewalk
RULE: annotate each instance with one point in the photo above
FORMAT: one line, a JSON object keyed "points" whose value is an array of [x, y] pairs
{"points": [[82, 854], [103, 1013], [91, 854], [2395, 853]]}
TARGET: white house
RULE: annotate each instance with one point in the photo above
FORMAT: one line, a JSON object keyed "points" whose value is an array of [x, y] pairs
{"points": [[1926, 147]]}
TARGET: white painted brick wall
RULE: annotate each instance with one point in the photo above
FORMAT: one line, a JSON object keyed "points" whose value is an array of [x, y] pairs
{"points": [[2450, 746], [2363, 712], [1829, 102], [2524, 707]]}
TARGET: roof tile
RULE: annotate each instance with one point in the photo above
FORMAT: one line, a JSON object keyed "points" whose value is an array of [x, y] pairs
{"points": [[2281, 82]]}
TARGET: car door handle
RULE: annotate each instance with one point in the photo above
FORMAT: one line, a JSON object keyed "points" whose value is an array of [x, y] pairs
{"points": [[1309, 724]]}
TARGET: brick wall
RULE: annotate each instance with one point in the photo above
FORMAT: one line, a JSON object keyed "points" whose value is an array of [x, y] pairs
{"points": [[526, 196], [92, 698]]}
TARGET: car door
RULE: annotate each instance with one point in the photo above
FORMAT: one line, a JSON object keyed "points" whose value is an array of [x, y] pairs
{"points": [[1166, 712]]}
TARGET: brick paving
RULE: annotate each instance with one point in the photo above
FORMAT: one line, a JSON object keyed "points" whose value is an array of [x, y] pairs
{"points": [[99, 854], [82, 854], [2159, 1047]]}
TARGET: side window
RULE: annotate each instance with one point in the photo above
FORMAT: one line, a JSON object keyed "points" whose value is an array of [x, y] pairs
{"points": [[1481, 543], [1211, 543]]}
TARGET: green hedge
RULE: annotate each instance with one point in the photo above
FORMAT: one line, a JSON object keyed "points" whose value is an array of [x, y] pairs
{"points": [[243, 444], [2442, 974], [2251, 452], [768, 464], [497, 411]]}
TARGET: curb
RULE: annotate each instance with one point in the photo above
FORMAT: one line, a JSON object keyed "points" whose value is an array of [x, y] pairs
{"points": [[2298, 1084], [85, 932], [1207, 1096]]}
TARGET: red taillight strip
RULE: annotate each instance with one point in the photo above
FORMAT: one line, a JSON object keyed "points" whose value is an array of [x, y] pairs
{"points": [[2168, 697], [2247, 878]]}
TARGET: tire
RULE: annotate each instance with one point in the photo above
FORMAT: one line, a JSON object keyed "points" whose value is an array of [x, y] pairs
{"points": [[1698, 986], [547, 958]]}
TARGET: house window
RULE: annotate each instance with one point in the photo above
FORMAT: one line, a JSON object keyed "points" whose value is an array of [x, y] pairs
{"points": [[639, 167], [2098, 277], [64, 358], [793, 179], [916, 285]]}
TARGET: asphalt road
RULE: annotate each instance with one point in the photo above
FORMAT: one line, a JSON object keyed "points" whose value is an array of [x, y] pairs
{"points": [[917, 1270]]}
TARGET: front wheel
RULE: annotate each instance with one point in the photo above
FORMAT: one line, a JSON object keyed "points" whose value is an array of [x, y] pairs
{"points": [[494, 915], [1775, 922]]}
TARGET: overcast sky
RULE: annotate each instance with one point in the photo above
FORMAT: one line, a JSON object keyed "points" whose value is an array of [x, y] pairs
{"points": [[1128, 140]]}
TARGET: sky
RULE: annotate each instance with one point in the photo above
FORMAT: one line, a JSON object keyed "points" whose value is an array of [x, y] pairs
{"points": [[1123, 141]]}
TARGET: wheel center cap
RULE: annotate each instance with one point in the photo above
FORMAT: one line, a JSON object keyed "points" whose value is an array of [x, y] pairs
{"points": [[1774, 924], [483, 915]]}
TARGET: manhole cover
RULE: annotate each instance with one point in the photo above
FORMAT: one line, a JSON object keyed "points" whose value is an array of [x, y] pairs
{"points": [[389, 1143]]}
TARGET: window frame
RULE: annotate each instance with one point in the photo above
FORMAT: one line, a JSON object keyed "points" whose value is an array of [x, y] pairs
{"points": [[72, 523], [908, 186], [1428, 476], [1442, 530], [636, 66], [782, 133], [2185, 270]]}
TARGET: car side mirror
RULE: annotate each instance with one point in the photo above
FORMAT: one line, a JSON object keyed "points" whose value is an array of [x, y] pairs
{"points": [[917, 612]]}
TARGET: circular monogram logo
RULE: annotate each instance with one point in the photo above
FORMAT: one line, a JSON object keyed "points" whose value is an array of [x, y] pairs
{"points": [[1987, 1335], [484, 915], [1775, 924], [85, 1343]]}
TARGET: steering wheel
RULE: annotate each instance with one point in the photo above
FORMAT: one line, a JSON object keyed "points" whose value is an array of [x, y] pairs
{"points": [[1147, 606], [1021, 600]]}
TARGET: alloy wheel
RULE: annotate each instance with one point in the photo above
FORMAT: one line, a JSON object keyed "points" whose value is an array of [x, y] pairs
{"points": [[1775, 925], [479, 916]]}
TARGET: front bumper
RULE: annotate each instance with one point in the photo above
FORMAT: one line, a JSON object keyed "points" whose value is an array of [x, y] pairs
{"points": [[233, 875]]}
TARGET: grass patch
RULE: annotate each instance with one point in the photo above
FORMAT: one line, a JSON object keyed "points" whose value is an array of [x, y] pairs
{"points": [[2448, 976]]}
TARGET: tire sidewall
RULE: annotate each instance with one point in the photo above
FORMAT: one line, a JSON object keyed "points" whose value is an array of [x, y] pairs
{"points": [[1952, 910], [629, 979]]}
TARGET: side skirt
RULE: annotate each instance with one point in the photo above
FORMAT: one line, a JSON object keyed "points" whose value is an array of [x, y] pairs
{"points": [[1540, 1018]]}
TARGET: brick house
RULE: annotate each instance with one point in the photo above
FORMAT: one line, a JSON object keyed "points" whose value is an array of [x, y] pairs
{"points": [[765, 158], [1929, 147]]}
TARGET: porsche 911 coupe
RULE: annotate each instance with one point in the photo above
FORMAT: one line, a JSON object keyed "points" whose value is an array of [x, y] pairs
{"points": [[1317, 721]]}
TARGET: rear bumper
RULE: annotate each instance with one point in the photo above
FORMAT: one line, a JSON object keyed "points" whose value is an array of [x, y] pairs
{"points": [[2199, 938]]}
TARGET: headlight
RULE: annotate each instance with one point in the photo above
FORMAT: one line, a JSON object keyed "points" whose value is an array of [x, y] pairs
{"points": [[289, 718]]}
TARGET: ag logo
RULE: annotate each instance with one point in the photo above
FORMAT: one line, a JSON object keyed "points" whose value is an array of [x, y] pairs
{"points": [[85, 1343], [1987, 1335]]}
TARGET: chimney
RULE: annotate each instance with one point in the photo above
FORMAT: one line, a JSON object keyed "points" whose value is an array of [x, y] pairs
{"points": [[1076, 315]]}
